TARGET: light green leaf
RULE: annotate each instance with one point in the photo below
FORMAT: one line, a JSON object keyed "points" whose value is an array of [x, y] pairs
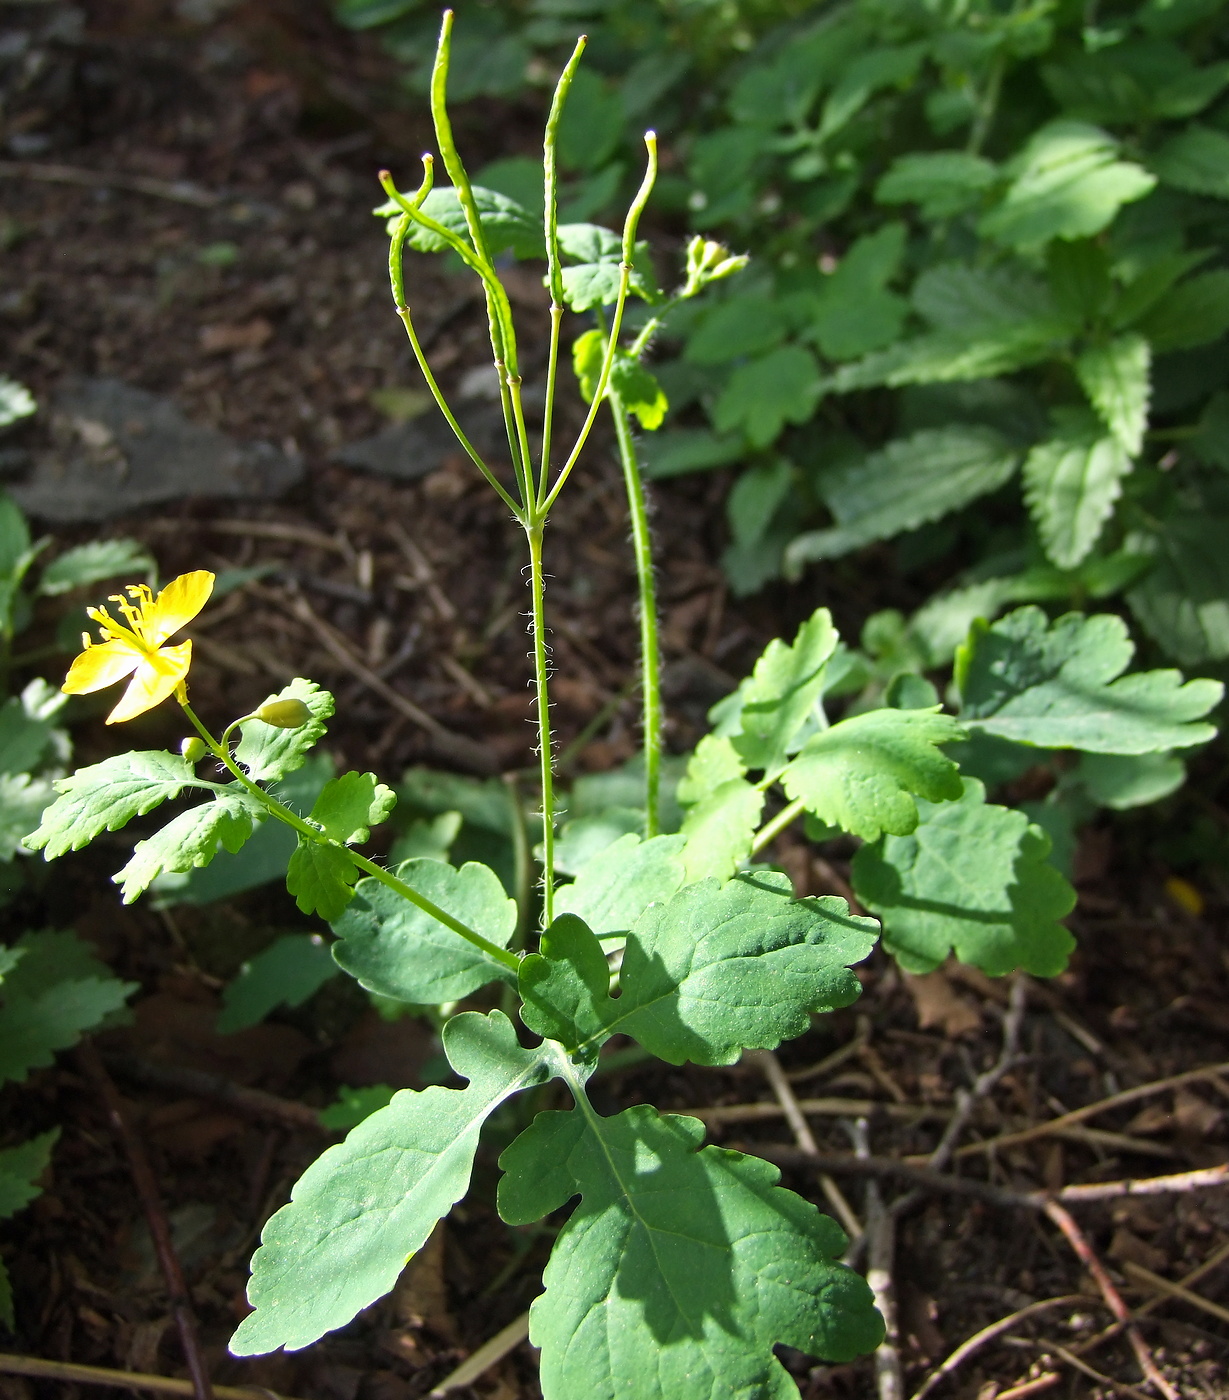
{"points": [[1196, 160], [1183, 601], [781, 693], [865, 773], [350, 805], [1123, 781], [1195, 312], [365, 1206], [987, 301], [972, 878], [23, 737], [947, 356], [765, 394], [906, 484], [321, 877], [395, 949], [598, 253], [943, 183], [20, 1168], [723, 818], [1070, 484], [266, 752], [1061, 686], [90, 563], [16, 401], [23, 800], [1115, 376], [854, 312], [681, 1268], [617, 885], [715, 759], [190, 840], [107, 795], [287, 973], [353, 1105], [506, 226], [1066, 183], [639, 392]]}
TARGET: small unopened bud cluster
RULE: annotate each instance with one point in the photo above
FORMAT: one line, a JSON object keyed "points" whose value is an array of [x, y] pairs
{"points": [[708, 261]]}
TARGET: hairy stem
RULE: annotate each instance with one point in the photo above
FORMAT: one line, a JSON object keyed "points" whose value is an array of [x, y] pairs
{"points": [[541, 678], [772, 829], [650, 651]]}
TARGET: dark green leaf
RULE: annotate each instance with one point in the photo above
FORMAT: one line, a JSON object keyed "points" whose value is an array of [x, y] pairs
{"points": [[321, 878], [765, 394], [1196, 160], [943, 183], [286, 973], [20, 1169], [1195, 312], [1183, 601]]}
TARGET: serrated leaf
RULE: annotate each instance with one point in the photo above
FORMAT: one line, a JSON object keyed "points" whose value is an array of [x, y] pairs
{"points": [[20, 1168], [782, 692], [1195, 160], [854, 311], [1061, 686], [974, 301], [266, 752], [763, 395], [946, 357], [107, 795], [395, 949], [906, 484], [942, 183], [598, 254], [287, 973], [971, 878], [23, 737], [715, 759], [23, 800], [1183, 600], [615, 887], [1071, 484], [1195, 312], [189, 841], [34, 1028], [1078, 272], [350, 805], [1115, 376], [719, 828], [321, 877], [681, 1268], [639, 392], [47, 957], [506, 226], [363, 1207], [90, 563], [865, 773], [1067, 182]]}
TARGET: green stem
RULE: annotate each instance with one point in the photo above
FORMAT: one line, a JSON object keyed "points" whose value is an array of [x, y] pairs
{"points": [[772, 829], [541, 676], [650, 650], [312, 833], [522, 861]]}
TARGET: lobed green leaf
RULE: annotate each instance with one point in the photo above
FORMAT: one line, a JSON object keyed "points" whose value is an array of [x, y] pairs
{"points": [[266, 752], [190, 841]]}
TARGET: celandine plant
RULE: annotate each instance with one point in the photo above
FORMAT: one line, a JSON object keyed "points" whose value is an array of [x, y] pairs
{"points": [[682, 1266]]}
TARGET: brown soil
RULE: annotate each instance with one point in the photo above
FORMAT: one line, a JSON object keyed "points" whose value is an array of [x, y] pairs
{"points": [[421, 581]]}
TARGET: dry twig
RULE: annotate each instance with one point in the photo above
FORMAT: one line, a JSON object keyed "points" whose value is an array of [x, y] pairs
{"points": [[1175, 1290], [487, 1355], [155, 1215], [250, 1103], [180, 191], [13, 1365]]}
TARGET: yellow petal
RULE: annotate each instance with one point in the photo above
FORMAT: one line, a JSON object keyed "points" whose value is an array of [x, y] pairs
{"points": [[178, 603], [156, 678], [100, 666]]}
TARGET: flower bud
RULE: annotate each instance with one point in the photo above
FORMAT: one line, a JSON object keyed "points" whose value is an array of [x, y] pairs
{"points": [[193, 749], [284, 714]]}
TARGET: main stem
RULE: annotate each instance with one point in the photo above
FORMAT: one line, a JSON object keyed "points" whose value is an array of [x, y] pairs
{"points": [[541, 680], [650, 650]]}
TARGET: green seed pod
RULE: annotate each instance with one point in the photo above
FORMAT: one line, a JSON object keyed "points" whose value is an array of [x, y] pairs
{"points": [[285, 714], [193, 749]]}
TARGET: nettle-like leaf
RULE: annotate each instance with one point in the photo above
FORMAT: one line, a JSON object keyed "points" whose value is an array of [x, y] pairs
{"points": [[713, 971], [1071, 483], [1182, 602], [681, 1268], [941, 183], [321, 877], [23, 737], [349, 806], [266, 752], [397, 950], [865, 774], [1060, 686], [56, 991], [722, 810], [190, 841], [23, 800], [854, 311], [1195, 312], [363, 1207], [1067, 182], [93, 562], [20, 1168], [781, 694], [617, 885], [763, 395], [972, 878], [287, 973], [1115, 376], [904, 485], [107, 795], [1195, 160]]}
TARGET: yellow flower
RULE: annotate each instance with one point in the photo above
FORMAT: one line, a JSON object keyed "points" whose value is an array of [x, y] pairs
{"points": [[138, 646]]}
